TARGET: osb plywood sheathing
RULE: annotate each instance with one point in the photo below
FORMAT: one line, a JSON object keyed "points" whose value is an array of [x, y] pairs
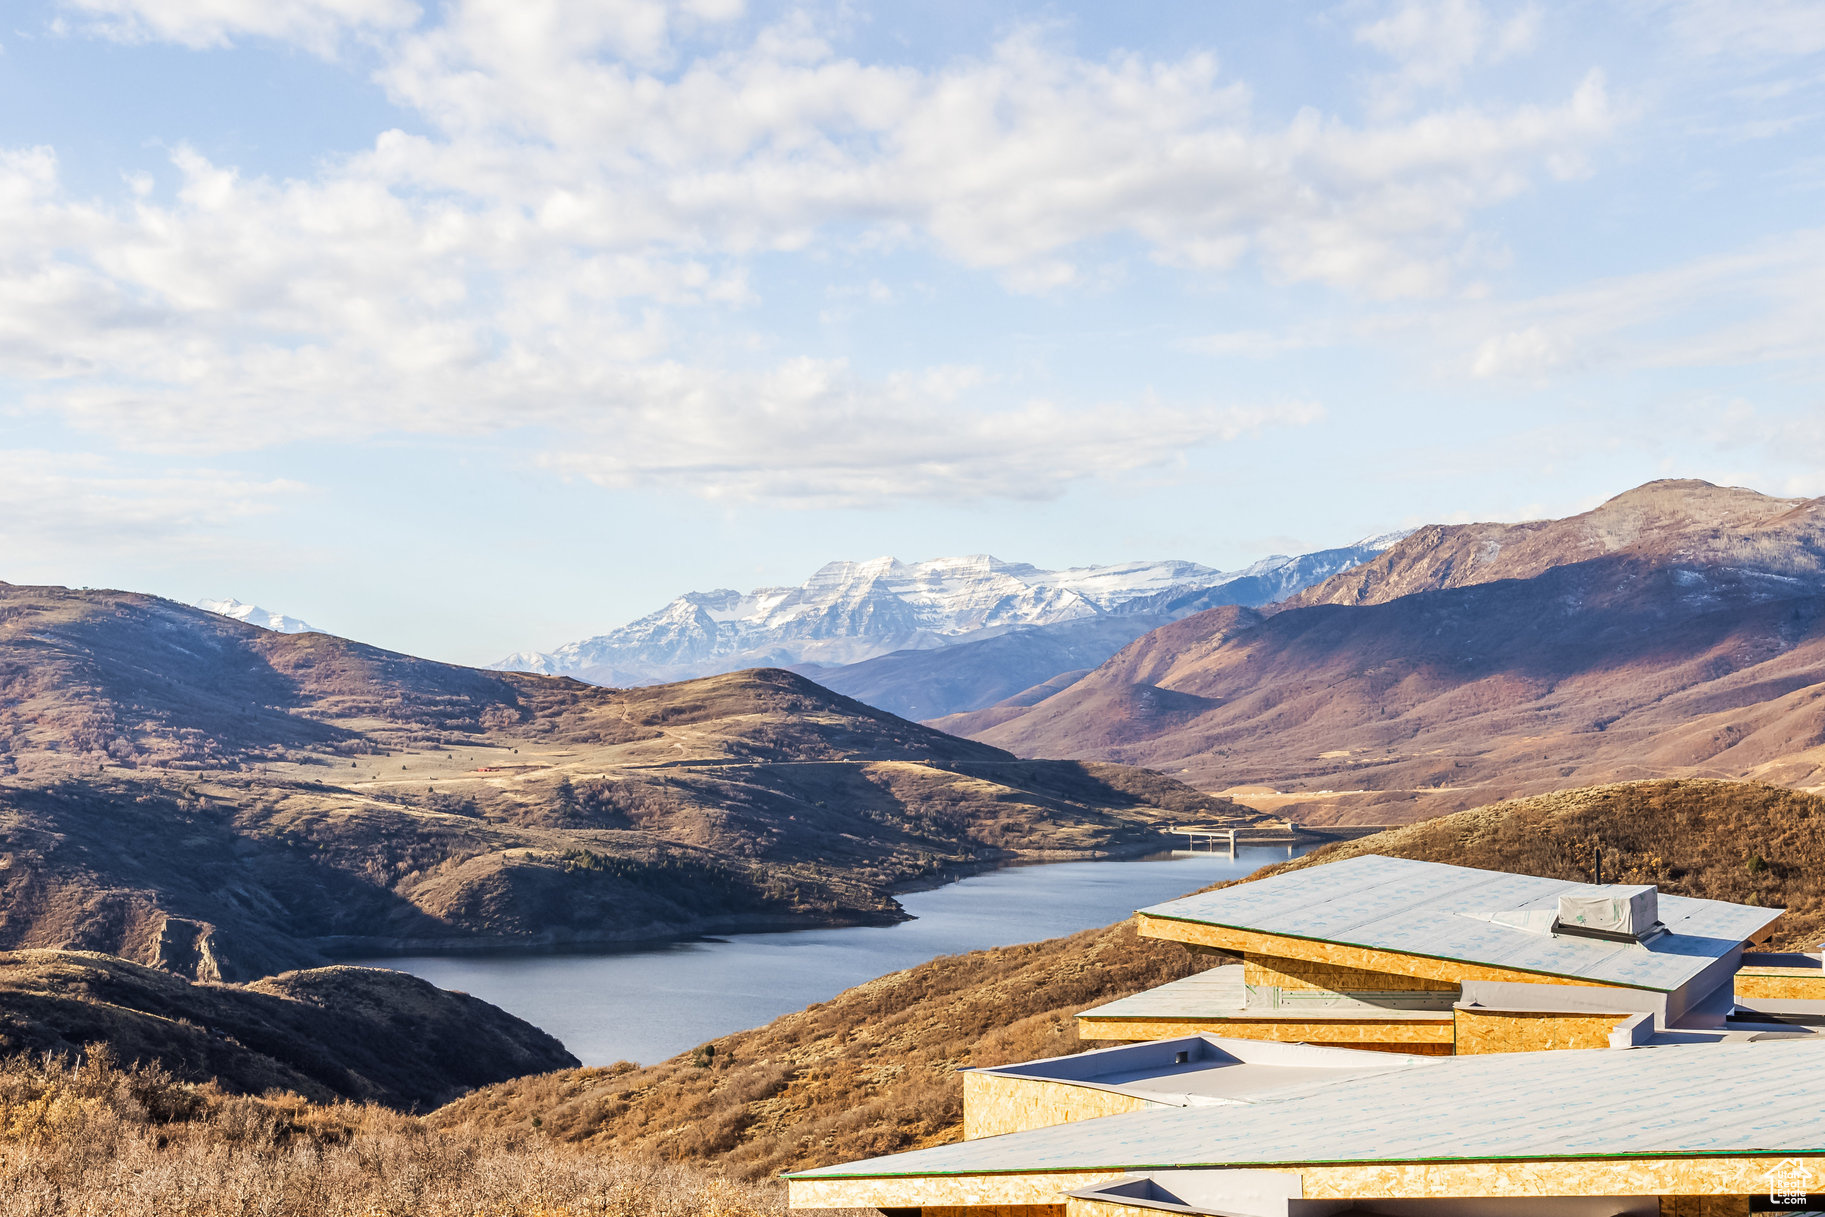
{"points": [[1423, 1037], [1250, 942], [1486, 1031], [932, 1191], [1306, 974], [1804, 984], [1715, 1177], [994, 1104]]}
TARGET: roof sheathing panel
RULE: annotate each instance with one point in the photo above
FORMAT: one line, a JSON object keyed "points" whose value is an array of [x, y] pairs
{"points": [[1680, 1101], [1427, 908]]}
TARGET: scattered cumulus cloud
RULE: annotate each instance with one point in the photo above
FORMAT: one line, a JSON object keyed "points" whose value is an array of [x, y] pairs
{"points": [[318, 25], [584, 182], [50, 501], [1435, 42]]}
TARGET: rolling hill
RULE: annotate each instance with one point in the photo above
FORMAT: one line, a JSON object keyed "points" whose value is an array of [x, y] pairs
{"points": [[194, 793], [328, 1034], [1676, 630]]}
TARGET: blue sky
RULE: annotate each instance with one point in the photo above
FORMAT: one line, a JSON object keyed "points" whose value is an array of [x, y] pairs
{"points": [[471, 327]]}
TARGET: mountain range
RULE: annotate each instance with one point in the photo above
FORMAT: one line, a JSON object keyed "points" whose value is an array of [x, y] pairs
{"points": [[1677, 630], [194, 793], [879, 630]]}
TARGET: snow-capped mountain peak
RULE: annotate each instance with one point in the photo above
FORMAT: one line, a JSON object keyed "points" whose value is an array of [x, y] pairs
{"points": [[849, 611], [253, 614]]}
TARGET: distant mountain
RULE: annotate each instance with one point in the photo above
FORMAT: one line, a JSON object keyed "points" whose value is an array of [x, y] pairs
{"points": [[253, 614], [1677, 630], [220, 801], [854, 612]]}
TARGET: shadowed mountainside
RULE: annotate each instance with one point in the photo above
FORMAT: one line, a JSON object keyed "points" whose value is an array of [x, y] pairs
{"points": [[872, 1070], [193, 793], [326, 1034], [1678, 630]]}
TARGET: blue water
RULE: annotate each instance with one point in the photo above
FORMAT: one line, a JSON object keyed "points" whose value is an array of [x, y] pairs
{"points": [[649, 1004]]}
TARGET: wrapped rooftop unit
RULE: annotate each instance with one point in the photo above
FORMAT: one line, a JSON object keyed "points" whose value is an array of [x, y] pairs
{"points": [[1630, 912]]}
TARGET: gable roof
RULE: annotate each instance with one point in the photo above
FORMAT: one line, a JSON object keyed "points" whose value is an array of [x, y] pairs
{"points": [[1439, 911]]}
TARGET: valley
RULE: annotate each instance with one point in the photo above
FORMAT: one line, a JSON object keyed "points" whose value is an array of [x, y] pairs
{"points": [[226, 802]]}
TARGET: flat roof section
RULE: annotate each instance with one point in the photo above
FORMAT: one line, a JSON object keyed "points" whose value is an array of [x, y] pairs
{"points": [[1443, 912], [1213, 1069], [1695, 1100]]}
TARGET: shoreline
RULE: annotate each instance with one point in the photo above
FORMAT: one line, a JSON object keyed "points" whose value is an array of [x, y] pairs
{"points": [[340, 950]]}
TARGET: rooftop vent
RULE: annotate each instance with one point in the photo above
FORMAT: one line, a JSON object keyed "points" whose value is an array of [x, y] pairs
{"points": [[1621, 913]]}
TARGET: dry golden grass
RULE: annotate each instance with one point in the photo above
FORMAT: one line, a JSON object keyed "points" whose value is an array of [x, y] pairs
{"points": [[1747, 842], [871, 1071], [98, 1138]]}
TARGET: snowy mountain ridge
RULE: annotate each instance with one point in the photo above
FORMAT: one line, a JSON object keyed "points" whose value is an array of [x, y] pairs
{"points": [[847, 612], [253, 614]]}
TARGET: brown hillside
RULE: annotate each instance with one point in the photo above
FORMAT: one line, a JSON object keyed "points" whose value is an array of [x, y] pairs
{"points": [[870, 1071], [1740, 841], [97, 1137], [1696, 650], [197, 794], [326, 1034], [1683, 521]]}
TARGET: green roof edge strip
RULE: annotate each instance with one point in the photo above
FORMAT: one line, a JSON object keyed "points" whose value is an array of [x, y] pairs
{"points": [[1224, 925], [1658, 1155]]}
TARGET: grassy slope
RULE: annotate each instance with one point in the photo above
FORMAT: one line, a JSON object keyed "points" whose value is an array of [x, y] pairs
{"points": [[135, 1142], [190, 792], [1741, 841], [871, 1071], [326, 1034]]}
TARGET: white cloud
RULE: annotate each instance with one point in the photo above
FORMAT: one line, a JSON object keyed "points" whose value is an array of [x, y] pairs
{"points": [[585, 185], [811, 434], [1435, 42], [1766, 29], [1753, 306], [1012, 162], [316, 24], [53, 501]]}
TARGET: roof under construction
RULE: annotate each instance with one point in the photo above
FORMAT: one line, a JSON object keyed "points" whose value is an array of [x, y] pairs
{"points": [[1740, 1099], [1474, 916]]}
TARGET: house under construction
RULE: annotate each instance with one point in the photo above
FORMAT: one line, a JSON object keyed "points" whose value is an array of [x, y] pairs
{"points": [[1409, 1039]]}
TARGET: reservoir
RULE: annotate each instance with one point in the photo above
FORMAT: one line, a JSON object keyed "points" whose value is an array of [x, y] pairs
{"points": [[649, 1004]]}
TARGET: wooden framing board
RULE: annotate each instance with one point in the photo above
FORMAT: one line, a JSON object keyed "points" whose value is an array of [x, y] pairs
{"points": [[998, 1103], [1485, 1031], [1306, 974], [1424, 1036], [1802, 984]]}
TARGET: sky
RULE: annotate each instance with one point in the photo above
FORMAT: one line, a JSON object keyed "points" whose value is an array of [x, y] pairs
{"points": [[479, 326]]}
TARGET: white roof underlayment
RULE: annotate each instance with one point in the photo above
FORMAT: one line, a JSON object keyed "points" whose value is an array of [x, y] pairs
{"points": [[1445, 912], [1751, 1098]]}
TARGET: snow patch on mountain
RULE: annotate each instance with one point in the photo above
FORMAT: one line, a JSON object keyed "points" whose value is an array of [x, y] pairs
{"points": [[253, 614], [847, 612]]}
